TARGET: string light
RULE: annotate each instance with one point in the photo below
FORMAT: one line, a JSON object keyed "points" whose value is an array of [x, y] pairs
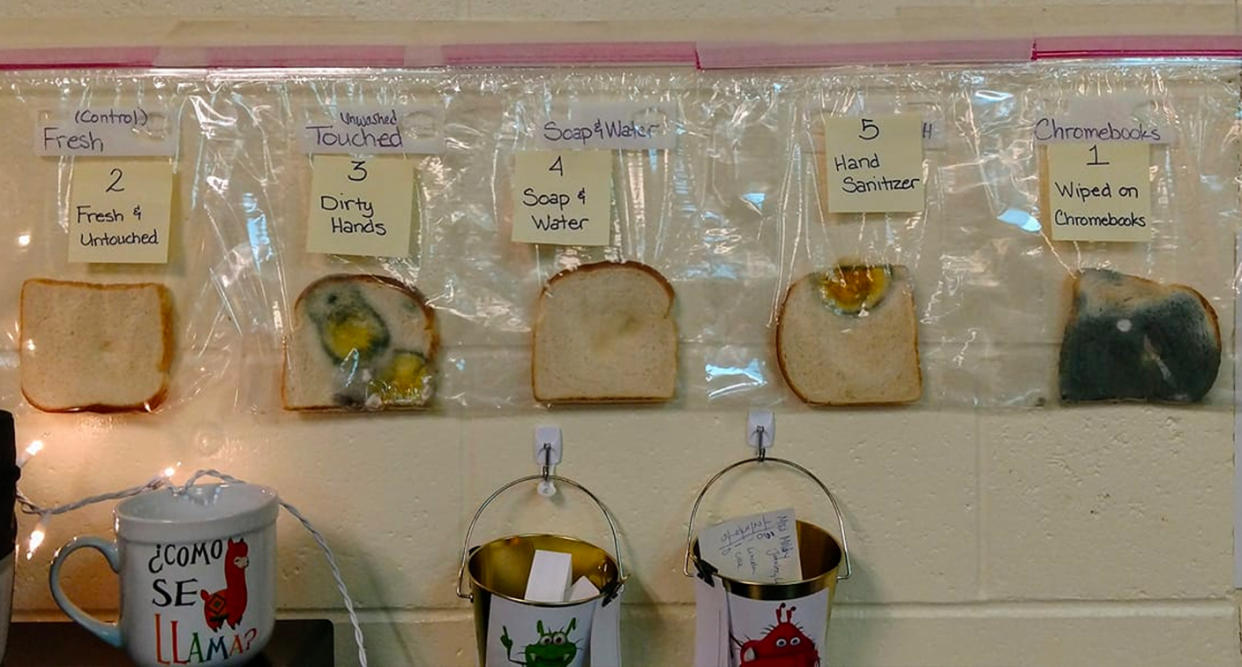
{"points": [[36, 537], [33, 448], [46, 513]]}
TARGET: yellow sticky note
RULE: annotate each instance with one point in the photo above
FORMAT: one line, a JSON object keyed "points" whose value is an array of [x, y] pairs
{"points": [[874, 163], [119, 210], [1098, 191], [562, 197], [361, 205]]}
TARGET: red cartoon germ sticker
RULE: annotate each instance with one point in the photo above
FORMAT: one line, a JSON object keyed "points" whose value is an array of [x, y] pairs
{"points": [[784, 645]]}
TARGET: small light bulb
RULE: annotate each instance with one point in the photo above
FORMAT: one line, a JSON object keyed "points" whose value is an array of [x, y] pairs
{"points": [[169, 472], [36, 539], [33, 448], [30, 345], [23, 240]]}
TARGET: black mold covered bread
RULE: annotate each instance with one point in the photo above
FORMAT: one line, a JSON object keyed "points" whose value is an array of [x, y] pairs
{"points": [[1134, 339]]}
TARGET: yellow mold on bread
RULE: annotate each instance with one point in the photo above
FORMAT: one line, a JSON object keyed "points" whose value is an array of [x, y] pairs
{"points": [[406, 381], [852, 289]]}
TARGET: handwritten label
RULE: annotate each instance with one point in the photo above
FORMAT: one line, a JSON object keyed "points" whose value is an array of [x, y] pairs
{"points": [[119, 210], [933, 135], [1098, 192], [562, 197], [761, 547], [376, 130], [1099, 119], [361, 205], [613, 125], [106, 131], [874, 163]]}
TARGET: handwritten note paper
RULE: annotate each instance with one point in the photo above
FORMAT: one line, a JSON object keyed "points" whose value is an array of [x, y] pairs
{"points": [[761, 547], [1098, 192], [361, 205], [562, 197], [874, 163], [119, 210]]}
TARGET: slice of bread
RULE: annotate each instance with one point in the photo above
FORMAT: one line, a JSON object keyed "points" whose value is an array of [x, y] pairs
{"points": [[360, 342], [95, 347], [848, 336], [1129, 338], [605, 333]]}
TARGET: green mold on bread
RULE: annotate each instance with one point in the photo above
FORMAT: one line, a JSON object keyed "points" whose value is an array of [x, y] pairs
{"points": [[360, 342], [1131, 339]]}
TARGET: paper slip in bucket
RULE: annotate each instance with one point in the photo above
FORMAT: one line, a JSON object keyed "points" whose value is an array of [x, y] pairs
{"points": [[752, 624], [511, 630]]}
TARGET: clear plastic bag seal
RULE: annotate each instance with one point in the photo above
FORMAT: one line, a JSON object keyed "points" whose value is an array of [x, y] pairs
{"points": [[37, 191]]}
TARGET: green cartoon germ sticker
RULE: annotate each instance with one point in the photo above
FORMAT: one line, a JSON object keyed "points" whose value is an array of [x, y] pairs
{"points": [[553, 648]]}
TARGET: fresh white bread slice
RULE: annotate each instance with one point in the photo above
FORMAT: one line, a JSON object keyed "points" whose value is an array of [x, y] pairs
{"points": [[359, 342], [848, 336], [95, 347], [604, 332]]}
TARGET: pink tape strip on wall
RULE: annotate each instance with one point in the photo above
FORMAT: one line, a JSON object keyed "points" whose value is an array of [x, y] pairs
{"points": [[575, 53], [306, 56], [705, 55], [735, 55], [1135, 46], [79, 57]]}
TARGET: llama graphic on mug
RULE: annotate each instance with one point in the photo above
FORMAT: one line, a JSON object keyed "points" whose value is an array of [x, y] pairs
{"points": [[229, 605]]}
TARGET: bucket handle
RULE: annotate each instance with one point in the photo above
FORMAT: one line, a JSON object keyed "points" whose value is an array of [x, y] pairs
{"points": [[763, 458], [608, 516]]}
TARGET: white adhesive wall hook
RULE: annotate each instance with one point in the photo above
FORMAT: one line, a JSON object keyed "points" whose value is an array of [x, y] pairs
{"points": [[547, 456], [761, 431]]}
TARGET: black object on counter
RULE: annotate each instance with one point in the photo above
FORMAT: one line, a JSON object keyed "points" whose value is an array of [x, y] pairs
{"points": [[9, 474], [300, 643]]}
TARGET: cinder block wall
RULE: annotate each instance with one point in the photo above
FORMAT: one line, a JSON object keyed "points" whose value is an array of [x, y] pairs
{"points": [[1097, 536]]}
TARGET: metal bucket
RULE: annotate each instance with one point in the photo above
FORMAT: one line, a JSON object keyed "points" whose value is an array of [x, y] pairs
{"points": [[792, 640], [497, 571]]}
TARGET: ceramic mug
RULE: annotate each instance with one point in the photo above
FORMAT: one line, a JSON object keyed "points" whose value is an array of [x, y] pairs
{"points": [[197, 575]]}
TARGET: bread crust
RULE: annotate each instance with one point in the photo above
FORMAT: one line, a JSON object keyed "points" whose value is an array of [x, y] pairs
{"points": [[429, 316], [780, 356], [168, 338], [603, 266]]}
